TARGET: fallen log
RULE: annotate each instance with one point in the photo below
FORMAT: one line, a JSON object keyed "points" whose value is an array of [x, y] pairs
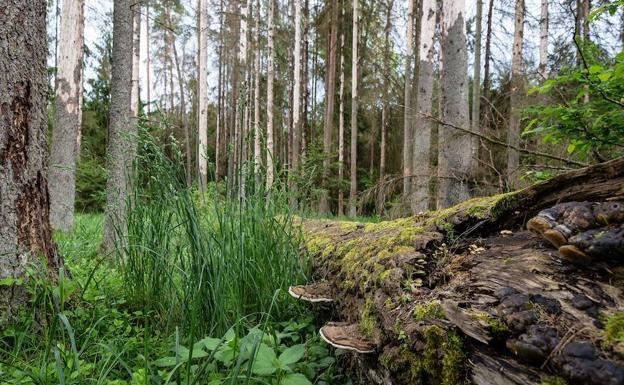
{"points": [[466, 295]]}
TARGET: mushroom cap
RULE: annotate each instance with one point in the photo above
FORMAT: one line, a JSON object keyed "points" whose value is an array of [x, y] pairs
{"points": [[319, 292], [346, 336]]}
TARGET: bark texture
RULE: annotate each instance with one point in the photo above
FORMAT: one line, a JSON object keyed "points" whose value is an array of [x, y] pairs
{"points": [[122, 128], [422, 138], [354, 112], [25, 232], [270, 95], [517, 91], [202, 94], [65, 147], [455, 151], [449, 299], [407, 101], [543, 44], [341, 127]]}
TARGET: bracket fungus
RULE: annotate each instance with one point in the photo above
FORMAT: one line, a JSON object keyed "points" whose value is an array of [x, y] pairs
{"points": [[346, 336]]}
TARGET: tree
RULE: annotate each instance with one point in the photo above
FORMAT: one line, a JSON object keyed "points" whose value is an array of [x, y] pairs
{"points": [[424, 106], [341, 131], [385, 107], [407, 102], [517, 90], [354, 112], [454, 149], [25, 232], [270, 97], [486, 65], [296, 100], [67, 116], [202, 94], [256, 122], [122, 126], [476, 86], [330, 91], [543, 45]]}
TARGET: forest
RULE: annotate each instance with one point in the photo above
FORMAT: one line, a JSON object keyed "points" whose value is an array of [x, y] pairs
{"points": [[298, 192]]}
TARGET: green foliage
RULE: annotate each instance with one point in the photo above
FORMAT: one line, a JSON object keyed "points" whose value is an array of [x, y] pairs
{"points": [[428, 311], [588, 109], [614, 329]]}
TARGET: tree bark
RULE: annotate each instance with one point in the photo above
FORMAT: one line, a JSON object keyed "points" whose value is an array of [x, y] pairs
{"points": [[543, 46], [121, 126], [148, 82], [517, 90], [407, 102], [476, 89], [329, 106], [296, 105], [486, 66], [65, 148], [341, 131], [25, 232], [202, 95], [270, 96], [257, 134], [221, 105], [354, 112], [384, 109], [454, 154], [424, 106]]}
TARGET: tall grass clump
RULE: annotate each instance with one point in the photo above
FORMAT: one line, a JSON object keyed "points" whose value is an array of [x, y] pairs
{"points": [[204, 261]]}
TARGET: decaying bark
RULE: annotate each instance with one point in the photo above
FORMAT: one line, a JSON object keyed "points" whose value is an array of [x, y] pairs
{"points": [[25, 232], [450, 298]]}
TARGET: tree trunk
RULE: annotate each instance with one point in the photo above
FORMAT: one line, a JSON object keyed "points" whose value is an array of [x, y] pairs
{"points": [[270, 79], [341, 133], [454, 154], [296, 104], [330, 87], [25, 232], [384, 109], [122, 126], [407, 103], [424, 107], [476, 89], [486, 66], [543, 46], [221, 106], [202, 95], [488, 315], [65, 148], [257, 134], [354, 112], [517, 90], [148, 82]]}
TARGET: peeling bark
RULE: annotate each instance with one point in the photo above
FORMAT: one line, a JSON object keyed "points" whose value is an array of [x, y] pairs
{"points": [[25, 232]]}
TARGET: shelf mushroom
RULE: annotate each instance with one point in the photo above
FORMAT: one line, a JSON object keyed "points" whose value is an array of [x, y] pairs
{"points": [[320, 292], [346, 336]]}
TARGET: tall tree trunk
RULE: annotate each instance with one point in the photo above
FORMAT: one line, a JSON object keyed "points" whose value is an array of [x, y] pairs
{"points": [[221, 106], [296, 103], [476, 89], [185, 123], [354, 112], [148, 82], [543, 46], [586, 39], [407, 103], [25, 232], [384, 109], [270, 79], [330, 86], [305, 130], [513, 132], [257, 134], [243, 105], [424, 108], [341, 133], [67, 117], [202, 95], [454, 154], [121, 126], [135, 96], [486, 66]]}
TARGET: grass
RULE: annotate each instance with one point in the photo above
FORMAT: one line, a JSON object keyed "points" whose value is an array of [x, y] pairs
{"points": [[193, 295]]}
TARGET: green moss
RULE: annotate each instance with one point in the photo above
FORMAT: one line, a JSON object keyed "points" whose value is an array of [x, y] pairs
{"points": [[453, 362], [614, 329], [497, 327], [552, 380], [428, 311], [389, 304], [368, 318]]}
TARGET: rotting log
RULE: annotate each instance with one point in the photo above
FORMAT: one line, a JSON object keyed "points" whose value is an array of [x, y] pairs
{"points": [[449, 299]]}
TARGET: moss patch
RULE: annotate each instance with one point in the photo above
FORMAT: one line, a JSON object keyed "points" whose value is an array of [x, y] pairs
{"points": [[553, 380], [614, 329], [428, 311], [368, 318]]}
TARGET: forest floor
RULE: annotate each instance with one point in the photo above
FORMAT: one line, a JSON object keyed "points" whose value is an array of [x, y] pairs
{"points": [[95, 334]]}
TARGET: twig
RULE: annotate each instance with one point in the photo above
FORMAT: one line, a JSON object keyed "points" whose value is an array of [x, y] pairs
{"points": [[501, 143]]}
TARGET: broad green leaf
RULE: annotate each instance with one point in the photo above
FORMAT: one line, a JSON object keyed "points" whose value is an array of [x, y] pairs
{"points": [[295, 379], [264, 364], [209, 343], [292, 354]]}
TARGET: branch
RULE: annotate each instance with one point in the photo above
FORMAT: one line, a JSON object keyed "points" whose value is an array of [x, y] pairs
{"points": [[501, 143]]}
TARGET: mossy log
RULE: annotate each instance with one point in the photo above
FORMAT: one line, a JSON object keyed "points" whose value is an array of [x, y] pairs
{"points": [[466, 295]]}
